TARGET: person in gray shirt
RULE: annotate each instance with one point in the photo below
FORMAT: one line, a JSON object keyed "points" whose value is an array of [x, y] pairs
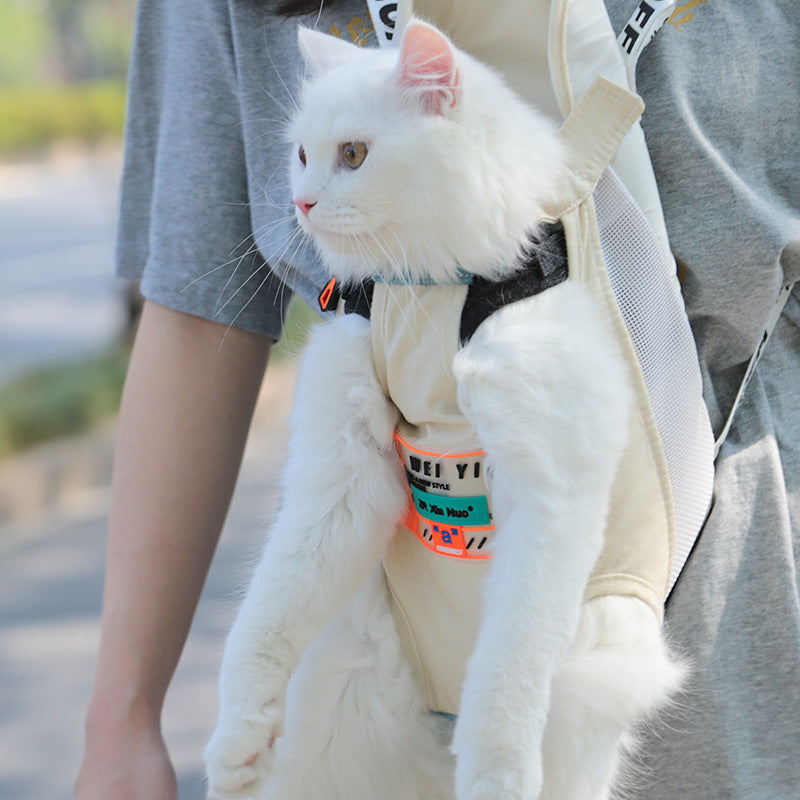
{"points": [[722, 86], [206, 224]]}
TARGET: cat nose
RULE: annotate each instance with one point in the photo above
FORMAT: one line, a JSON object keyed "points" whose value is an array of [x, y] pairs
{"points": [[304, 205]]}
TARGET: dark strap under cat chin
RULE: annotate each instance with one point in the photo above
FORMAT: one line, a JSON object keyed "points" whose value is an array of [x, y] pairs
{"points": [[542, 261], [357, 297]]}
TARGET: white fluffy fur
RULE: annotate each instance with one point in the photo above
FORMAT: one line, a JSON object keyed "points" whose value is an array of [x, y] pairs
{"points": [[317, 700]]}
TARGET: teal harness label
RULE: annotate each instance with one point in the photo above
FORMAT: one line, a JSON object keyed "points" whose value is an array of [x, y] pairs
{"points": [[463, 511]]}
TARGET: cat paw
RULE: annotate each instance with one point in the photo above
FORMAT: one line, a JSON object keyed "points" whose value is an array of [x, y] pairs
{"points": [[494, 767], [498, 783], [240, 755]]}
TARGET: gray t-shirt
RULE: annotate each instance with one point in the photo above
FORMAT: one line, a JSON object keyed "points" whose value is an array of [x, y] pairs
{"points": [[204, 180]]}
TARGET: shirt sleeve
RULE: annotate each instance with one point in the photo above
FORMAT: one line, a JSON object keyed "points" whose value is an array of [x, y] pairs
{"points": [[185, 225]]}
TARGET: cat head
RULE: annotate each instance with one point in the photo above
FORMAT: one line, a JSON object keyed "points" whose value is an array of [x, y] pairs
{"points": [[415, 163]]}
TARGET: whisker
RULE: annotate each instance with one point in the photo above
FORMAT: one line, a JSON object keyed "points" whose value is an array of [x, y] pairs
{"points": [[220, 308], [400, 273], [289, 94], [269, 180], [404, 277], [301, 243], [260, 232], [319, 13], [252, 250], [218, 267], [266, 126], [289, 112], [249, 299], [380, 217]]}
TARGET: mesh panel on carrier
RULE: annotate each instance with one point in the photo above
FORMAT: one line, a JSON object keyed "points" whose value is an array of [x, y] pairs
{"points": [[647, 294]]}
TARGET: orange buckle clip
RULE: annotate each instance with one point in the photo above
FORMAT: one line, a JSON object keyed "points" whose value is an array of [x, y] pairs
{"points": [[329, 297]]}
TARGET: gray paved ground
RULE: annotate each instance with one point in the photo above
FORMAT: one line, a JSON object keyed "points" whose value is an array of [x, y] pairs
{"points": [[59, 298], [50, 590]]}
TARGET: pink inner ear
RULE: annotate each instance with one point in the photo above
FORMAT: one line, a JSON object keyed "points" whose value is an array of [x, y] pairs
{"points": [[428, 68]]}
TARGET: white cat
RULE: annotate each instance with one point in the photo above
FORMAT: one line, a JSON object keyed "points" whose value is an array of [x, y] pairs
{"points": [[416, 167]]}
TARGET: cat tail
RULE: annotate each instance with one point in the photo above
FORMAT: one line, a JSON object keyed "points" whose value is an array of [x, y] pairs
{"points": [[357, 725], [617, 676]]}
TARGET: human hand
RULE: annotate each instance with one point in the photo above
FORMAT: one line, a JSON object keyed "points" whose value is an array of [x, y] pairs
{"points": [[129, 764]]}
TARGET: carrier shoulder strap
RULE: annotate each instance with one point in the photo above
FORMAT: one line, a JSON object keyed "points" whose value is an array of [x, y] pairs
{"points": [[772, 321], [640, 29], [645, 21], [637, 33]]}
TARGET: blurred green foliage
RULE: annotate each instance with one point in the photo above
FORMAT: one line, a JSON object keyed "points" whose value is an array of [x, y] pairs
{"points": [[64, 41], [62, 400], [299, 321], [33, 117], [23, 44], [62, 71]]}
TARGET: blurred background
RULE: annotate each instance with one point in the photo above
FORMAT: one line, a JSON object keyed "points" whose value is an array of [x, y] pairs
{"points": [[62, 99], [65, 328]]}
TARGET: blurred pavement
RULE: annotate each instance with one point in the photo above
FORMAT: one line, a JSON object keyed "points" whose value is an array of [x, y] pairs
{"points": [[59, 298], [50, 594]]}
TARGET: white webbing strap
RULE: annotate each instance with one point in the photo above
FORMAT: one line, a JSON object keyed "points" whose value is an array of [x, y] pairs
{"points": [[637, 33], [639, 30], [772, 321], [683, 549], [388, 19]]}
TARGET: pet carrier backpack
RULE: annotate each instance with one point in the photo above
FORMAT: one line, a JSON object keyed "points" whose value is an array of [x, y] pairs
{"points": [[617, 242]]}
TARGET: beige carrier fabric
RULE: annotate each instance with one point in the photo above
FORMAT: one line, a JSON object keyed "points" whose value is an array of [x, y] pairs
{"points": [[509, 35], [659, 329], [641, 516], [436, 599], [415, 334]]}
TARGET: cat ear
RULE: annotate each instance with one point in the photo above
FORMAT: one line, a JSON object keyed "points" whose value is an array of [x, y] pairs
{"points": [[322, 52], [427, 67]]}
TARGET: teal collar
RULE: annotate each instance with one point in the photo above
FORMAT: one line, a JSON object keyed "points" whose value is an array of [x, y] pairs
{"points": [[462, 277]]}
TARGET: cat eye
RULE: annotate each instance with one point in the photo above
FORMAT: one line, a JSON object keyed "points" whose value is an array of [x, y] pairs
{"points": [[353, 154], [301, 154]]}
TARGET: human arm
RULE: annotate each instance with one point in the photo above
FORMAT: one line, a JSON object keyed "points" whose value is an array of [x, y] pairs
{"points": [[185, 414]]}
